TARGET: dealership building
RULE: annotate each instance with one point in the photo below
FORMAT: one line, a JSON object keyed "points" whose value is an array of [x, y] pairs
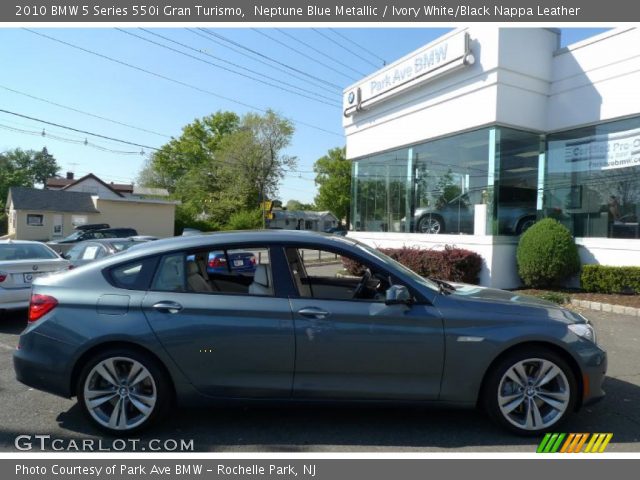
{"points": [[471, 138]]}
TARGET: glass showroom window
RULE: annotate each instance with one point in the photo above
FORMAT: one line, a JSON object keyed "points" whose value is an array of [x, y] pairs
{"points": [[380, 190], [450, 178], [516, 181], [592, 182]]}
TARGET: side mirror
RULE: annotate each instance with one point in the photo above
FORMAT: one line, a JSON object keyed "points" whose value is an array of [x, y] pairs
{"points": [[397, 295]]}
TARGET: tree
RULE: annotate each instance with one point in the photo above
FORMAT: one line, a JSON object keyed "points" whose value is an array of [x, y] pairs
{"points": [[333, 176], [193, 149], [297, 205], [254, 159], [24, 168], [42, 166], [222, 164]]}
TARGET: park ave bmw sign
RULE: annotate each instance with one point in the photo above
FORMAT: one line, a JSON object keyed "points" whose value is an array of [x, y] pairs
{"points": [[435, 59]]}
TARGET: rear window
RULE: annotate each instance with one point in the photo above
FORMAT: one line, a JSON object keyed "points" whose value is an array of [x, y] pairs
{"points": [[25, 251], [134, 275]]}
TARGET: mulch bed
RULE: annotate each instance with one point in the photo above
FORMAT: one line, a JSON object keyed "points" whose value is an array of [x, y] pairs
{"points": [[613, 299]]}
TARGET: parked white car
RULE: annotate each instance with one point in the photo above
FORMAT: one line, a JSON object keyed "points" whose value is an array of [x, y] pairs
{"points": [[21, 262]]}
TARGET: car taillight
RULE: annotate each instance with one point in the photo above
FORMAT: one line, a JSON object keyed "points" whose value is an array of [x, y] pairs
{"points": [[217, 262], [40, 305], [253, 260], [3, 276]]}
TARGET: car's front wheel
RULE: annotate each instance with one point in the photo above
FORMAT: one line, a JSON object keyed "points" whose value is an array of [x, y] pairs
{"points": [[123, 390], [530, 391], [432, 224]]}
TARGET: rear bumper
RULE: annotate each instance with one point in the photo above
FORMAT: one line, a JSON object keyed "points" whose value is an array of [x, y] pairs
{"points": [[42, 363], [14, 298]]}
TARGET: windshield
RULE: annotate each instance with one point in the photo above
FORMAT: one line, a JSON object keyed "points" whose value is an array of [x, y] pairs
{"points": [[25, 251], [394, 264], [74, 236]]}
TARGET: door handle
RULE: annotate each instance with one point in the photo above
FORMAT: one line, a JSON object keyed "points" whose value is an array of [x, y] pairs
{"points": [[168, 307], [313, 312]]}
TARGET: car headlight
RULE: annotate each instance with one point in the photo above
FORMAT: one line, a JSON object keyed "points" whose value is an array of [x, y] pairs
{"points": [[584, 330]]}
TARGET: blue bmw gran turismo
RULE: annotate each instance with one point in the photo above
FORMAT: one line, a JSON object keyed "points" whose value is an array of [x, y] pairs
{"points": [[137, 334]]}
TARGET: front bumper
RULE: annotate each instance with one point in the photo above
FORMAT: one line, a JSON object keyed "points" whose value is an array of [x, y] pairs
{"points": [[593, 375]]}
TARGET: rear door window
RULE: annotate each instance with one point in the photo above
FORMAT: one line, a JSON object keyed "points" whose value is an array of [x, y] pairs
{"points": [[134, 275], [244, 271]]}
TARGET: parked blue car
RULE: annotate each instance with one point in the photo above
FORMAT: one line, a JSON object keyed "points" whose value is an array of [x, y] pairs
{"points": [[136, 335], [238, 262]]}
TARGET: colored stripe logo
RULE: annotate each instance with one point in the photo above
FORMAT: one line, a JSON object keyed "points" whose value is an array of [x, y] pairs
{"points": [[574, 443]]}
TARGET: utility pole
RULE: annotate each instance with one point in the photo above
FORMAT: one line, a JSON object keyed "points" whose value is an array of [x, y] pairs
{"points": [[263, 204]]}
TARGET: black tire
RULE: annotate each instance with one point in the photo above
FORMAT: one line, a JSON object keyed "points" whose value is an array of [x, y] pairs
{"points": [[494, 387], [157, 384], [524, 224], [428, 222]]}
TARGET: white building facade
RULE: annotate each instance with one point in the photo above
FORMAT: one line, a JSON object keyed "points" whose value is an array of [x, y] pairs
{"points": [[469, 140]]}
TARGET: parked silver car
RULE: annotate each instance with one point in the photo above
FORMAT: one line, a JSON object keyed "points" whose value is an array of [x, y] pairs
{"points": [[21, 262], [516, 213], [90, 250], [129, 334]]}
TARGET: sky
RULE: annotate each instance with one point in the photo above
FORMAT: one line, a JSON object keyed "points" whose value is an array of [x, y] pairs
{"points": [[144, 93]]}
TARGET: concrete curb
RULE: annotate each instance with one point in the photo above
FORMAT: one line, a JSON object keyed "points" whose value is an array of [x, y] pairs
{"points": [[606, 307]]}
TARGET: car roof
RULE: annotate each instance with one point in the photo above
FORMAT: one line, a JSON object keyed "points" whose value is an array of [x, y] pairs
{"points": [[239, 237], [20, 242], [111, 229], [109, 240]]}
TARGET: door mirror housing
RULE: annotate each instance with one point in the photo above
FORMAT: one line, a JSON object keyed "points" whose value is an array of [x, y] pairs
{"points": [[397, 295]]}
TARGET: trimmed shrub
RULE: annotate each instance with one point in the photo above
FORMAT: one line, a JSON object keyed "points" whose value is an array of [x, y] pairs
{"points": [[547, 254], [605, 279], [453, 264]]}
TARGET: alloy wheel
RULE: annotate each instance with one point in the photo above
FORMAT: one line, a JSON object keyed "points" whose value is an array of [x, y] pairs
{"points": [[533, 394], [430, 225], [120, 393]]}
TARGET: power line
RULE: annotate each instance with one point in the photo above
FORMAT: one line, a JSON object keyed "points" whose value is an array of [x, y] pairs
{"points": [[284, 32], [343, 47], [250, 77], [72, 109], [127, 142], [67, 140], [304, 54], [292, 71], [255, 52], [173, 80], [337, 32]]}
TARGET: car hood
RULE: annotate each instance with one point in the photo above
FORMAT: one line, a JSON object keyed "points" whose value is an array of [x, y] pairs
{"points": [[503, 301]]}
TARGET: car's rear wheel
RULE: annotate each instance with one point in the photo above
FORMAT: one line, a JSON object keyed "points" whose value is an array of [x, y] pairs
{"points": [[530, 391], [432, 224], [123, 390], [525, 224]]}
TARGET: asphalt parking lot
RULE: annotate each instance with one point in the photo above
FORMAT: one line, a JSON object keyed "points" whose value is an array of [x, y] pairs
{"points": [[24, 411]]}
